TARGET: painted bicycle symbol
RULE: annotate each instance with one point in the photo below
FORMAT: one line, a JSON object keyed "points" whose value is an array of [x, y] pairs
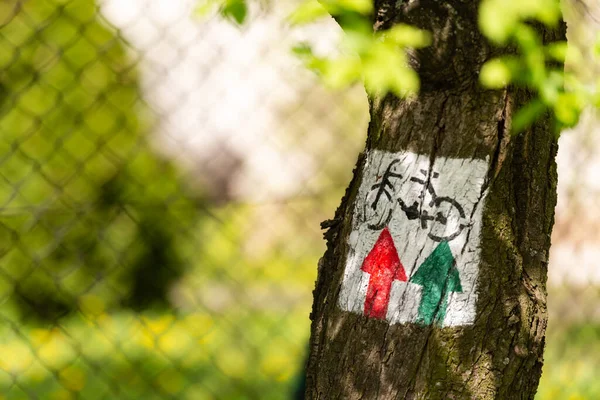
{"points": [[443, 212]]}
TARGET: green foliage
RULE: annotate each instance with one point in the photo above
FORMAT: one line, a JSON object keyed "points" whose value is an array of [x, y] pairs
{"points": [[537, 66], [496, 73], [235, 10], [378, 59], [500, 20], [310, 10], [87, 207], [232, 10]]}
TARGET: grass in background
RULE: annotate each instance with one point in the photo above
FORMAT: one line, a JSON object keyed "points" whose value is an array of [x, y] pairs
{"points": [[241, 355], [572, 363]]}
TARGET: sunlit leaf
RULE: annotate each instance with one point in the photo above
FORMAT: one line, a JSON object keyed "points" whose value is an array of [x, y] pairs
{"points": [[342, 72], [307, 12], [558, 51], [596, 48], [496, 26], [406, 83], [595, 97], [527, 115], [364, 7], [547, 11], [385, 69], [499, 18], [206, 7], [302, 49], [527, 38], [355, 23], [567, 108], [407, 36], [551, 87], [495, 74], [357, 41], [235, 10]]}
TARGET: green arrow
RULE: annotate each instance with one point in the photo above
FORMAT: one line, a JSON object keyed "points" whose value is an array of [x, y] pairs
{"points": [[439, 277]]}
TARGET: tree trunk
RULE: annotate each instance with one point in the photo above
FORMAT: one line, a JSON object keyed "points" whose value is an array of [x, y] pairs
{"points": [[433, 285]]}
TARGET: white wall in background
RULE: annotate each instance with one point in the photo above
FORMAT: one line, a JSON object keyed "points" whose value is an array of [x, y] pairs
{"points": [[212, 83]]}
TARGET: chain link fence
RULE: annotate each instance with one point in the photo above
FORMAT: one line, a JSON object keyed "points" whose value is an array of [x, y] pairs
{"points": [[162, 180]]}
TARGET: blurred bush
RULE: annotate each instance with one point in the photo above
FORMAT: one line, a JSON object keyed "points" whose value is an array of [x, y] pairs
{"points": [[88, 207]]}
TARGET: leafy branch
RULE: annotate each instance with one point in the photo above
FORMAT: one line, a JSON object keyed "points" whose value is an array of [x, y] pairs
{"points": [[537, 66], [380, 59]]}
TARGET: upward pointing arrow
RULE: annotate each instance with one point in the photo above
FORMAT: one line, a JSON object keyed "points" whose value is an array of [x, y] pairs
{"points": [[384, 266], [439, 277]]}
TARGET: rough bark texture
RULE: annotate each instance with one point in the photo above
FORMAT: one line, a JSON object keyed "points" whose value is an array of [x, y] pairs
{"points": [[500, 355]]}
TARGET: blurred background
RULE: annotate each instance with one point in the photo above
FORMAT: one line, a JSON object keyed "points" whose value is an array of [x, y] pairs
{"points": [[162, 180]]}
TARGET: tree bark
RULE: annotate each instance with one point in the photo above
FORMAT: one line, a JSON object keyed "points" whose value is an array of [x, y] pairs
{"points": [[498, 355]]}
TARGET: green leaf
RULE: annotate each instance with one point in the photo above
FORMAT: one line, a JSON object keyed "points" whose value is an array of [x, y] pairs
{"points": [[495, 74], [206, 7], [596, 48], [546, 11], [551, 87], [302, 50], [558, 51], [235, 10], [527, 38], [357, 41], [386, 69], [307, 12], [342, 72], [407, 36], [406, 83], [498, 19], [567, 108], [527, 115], [364, 7], [496, 26], [352, 22], [361, 6]]}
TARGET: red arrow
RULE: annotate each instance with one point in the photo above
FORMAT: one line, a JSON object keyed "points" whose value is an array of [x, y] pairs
{"points": [[384, 266]]}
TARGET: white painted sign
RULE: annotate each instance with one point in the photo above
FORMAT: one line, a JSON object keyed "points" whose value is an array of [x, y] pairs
{"points": [[414, 247]]}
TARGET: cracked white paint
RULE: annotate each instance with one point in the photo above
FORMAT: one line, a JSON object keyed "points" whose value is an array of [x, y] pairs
{"points": [[458, 179]]}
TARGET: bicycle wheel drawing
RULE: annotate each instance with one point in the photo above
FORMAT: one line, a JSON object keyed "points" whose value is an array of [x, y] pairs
{"points": [[448, 220], [378, 210]]}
